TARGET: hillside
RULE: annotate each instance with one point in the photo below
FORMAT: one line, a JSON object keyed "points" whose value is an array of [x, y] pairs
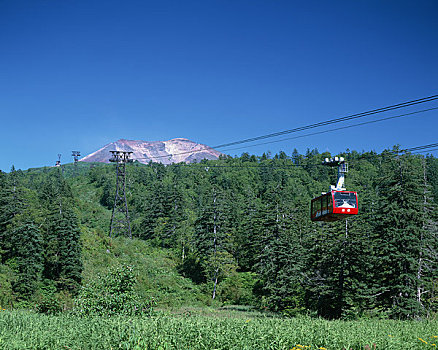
{"points": [[154, 267], [236, 230]]}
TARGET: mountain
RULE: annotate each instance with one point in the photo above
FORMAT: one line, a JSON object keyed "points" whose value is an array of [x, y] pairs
{"points": [[173, 151]]}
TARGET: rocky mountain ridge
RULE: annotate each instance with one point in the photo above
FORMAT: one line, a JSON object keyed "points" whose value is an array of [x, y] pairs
{"points": [[167, 152]]}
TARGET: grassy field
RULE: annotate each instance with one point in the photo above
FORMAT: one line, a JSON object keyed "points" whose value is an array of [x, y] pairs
{"points": [[219, 330]]}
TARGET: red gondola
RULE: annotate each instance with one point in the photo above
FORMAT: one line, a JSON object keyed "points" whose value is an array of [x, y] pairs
{"points": [[338, 203], [333, 206]]}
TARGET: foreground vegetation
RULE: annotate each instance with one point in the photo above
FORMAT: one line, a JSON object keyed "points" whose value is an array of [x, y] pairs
{"points": [[24, 330]]}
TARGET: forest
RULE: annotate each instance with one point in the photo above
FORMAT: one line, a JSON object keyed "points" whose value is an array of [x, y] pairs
{"points": [[234, 231]]}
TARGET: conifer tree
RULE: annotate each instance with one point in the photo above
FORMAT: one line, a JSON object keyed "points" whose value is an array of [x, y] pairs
{"points": [[281, 254], [249, 231], [11, 198], [62, 252], [215, 238], [362, 247], [432, 176], [427, 261], [401, 228], [11, 204], [325, 273], [26, 257], [20, 241]]}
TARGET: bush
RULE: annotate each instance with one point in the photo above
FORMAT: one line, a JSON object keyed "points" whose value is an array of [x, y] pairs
{"points": [[47, 300], [238, 288], [6, 294], [112, 293]]}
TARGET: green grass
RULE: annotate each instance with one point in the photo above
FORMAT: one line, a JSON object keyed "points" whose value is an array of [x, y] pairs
{"points": [[24, 330]]}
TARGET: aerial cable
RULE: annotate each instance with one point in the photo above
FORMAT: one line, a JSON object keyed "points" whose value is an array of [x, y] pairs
{"points": [[420, 147], [332, 130], [425, 151], [257, 165], [312, 126], [334, 121], [413, 150], [289, 166], [318, 132]]}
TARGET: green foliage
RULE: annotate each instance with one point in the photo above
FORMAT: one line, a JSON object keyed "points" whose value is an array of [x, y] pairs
{"points": [[156, 269], [112, 293], [403, 235], [237, 289], [26, 260], [6, 293], [47, 302], [237, 226]]}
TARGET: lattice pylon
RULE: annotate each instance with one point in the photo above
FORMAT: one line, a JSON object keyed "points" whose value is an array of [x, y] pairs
{"points": [[120, 224], [75, 155]]}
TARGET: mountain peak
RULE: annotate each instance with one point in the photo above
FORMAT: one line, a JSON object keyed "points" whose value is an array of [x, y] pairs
{"points": [[176, 150]]}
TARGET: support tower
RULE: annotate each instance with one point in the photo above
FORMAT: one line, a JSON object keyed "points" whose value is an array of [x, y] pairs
{"points": [[120, 224], [58, 162], [76, 155]]}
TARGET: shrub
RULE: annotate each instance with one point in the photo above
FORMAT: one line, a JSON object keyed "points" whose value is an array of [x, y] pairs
{"points": [[112, 293], [238, 288], [47, 300], [6, 294]]}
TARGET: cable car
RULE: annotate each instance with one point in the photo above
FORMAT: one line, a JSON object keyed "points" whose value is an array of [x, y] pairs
{"points": [[333, 206], [338, 203]]}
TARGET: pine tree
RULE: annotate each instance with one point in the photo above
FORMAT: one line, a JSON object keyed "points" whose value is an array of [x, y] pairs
{"points": [[427, 264], [281, 255], [214, 231], [11, 198], [401, 230], [26, 257], [63, 251], [12, 203], [20, 239], [362, 245], [432, 176], [325, 247], [249, 230]]}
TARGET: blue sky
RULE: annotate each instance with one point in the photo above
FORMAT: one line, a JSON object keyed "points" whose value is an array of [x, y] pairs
{"points": [[78, 74]]}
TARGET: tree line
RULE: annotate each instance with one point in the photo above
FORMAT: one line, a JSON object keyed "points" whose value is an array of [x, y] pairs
{"points": [[240, 228], [39, 238]]}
